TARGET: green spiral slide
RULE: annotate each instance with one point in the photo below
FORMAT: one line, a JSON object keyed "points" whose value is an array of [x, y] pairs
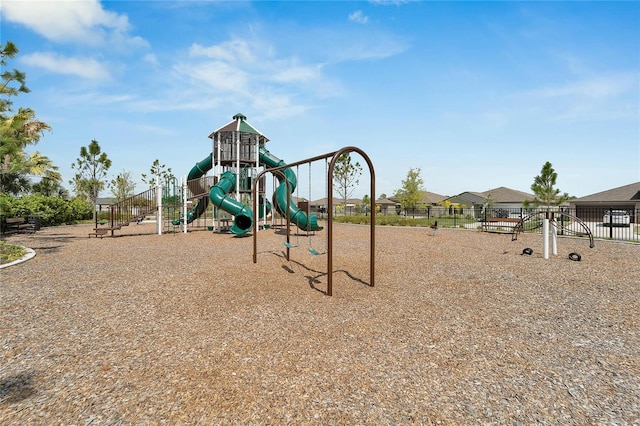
{"points": [[243, 220], [243, 215], [296, 215], [199, 170]]}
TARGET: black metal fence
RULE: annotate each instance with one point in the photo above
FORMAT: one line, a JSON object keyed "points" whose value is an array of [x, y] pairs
{"points": [[607, 222]]}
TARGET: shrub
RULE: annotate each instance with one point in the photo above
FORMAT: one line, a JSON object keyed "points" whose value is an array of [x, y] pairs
{"points": [[391, 220], [52, 210]]}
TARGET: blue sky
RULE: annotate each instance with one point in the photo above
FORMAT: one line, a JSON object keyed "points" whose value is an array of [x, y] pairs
{"points": [[476, 94]]}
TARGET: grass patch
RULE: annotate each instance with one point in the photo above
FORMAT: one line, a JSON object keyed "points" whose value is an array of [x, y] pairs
{"points": [[394, 220], [9, 253]]}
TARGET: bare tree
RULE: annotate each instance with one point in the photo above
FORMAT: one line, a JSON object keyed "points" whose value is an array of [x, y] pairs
{"points": [[122, 186], [157, 170], [346, 176]]}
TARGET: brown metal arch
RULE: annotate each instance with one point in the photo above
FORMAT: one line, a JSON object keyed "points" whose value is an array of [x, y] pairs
{"points": [[372, 230], [334, 156]]}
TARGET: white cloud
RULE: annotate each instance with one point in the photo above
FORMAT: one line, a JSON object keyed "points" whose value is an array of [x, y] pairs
{"points": [[358, 17], [376, 46], [235, 51], [244, 67], [82, 67], [150, 58], [83, 21], [215, 75], [293, 73], [594, 88]]}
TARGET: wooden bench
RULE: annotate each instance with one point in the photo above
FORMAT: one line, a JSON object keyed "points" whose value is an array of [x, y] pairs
{"points": [[101, 232], [12, 224], [98, 232], [18, 224], [499, 223]]}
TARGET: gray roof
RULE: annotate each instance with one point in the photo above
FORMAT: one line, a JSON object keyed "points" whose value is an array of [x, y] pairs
{"points": [[386, 201], [325, 201], [432, 198], [103, 201], [497, 195], [468, 198], [627, 193], [506, 195]]}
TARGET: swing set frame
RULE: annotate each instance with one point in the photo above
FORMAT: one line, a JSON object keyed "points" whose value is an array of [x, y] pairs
{"points": [[372, 228]]}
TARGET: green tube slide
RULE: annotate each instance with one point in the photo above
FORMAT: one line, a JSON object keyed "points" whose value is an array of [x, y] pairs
{"points": [[218, 196], [199, 170], [243, 216], [296, 215]]}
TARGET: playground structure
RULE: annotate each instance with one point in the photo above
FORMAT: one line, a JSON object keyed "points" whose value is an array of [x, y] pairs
{"points": [[238, 152], [550, 227]]}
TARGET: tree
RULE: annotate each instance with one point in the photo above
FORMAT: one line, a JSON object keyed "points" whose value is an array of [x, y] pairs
{"points": [[158, 170], [409, 195], [17, 131], [92, 167], [366, 202], [346, 176], [544, 190], [122, 186], [8, 51], [50, 188]]}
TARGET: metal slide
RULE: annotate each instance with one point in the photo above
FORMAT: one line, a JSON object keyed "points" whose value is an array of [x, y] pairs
{"points": [[296, 215]]}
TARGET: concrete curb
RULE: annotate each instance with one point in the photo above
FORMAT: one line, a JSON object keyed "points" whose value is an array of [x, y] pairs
{"points": [[28, 255]]}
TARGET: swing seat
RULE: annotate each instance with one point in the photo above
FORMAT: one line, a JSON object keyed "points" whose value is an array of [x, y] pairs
{"points": [[289, 245], [314, 251]]}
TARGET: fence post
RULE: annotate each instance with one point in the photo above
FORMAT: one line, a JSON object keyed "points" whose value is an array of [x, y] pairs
{"points": [[611, 222], [545, 236], [184, 204], [158, 206]]}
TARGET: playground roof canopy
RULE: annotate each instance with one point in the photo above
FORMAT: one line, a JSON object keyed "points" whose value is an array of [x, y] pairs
{"points": [[241, 125]]}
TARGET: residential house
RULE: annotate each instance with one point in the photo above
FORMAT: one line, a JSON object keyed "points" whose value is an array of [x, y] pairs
{"points": [[506, 198], [497, 201], [320, 205], [431, 199], [392, 204], [592, 207], [386, 206]]}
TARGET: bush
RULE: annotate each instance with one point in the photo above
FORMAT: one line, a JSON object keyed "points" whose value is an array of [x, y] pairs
{"points": [[79, 210], [52, 210], [391, 220]]}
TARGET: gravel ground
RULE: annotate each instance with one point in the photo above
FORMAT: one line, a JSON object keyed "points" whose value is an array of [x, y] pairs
{"points": [[460, 328]]}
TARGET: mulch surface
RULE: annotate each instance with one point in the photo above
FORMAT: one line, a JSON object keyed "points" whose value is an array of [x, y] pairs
{"points": [[460, 328]]}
